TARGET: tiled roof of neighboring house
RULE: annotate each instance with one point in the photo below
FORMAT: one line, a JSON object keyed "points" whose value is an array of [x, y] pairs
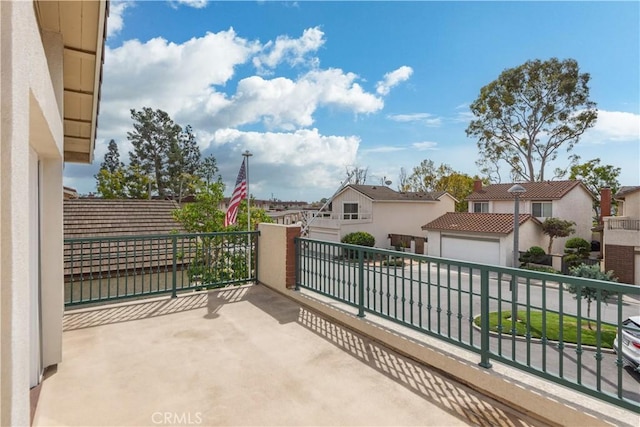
{"points": [[383, 193], [545, 190], [477, 222], [623, 191], [69, 193], [101, 217]]}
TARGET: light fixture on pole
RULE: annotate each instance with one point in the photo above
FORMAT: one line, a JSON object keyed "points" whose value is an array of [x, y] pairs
{"points": [[517, 190]]}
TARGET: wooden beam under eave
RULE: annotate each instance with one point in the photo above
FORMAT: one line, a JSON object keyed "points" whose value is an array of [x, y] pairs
{"points": [[76, 157]]}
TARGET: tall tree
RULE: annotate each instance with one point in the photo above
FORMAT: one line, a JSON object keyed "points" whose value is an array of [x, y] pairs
{"points": [[426, 175], [529, 112], [403, 180], [112, 161], [111, 178], [459, 185], [357, 175], [184, 165], [208, 169], [596, 176], [153, 137]]}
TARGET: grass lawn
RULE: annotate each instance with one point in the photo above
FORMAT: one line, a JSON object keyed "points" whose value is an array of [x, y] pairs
{"points": [[569, 330]]}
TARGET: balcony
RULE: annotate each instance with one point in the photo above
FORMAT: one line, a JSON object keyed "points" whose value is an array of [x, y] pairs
{"points": [[268, 354], [336, 219], [623, 231], [243, 356]]}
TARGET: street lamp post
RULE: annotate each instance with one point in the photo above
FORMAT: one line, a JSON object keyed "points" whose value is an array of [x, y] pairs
{"points": [[517, 190]]}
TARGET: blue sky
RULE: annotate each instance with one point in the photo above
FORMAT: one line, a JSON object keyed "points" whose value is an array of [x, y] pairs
{"points": [[312, 88]]}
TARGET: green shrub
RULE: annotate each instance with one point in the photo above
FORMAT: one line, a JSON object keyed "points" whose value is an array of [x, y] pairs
{"points": [[572, 260], [536, 250], [578, 246], [361, 238], [535, 255]]}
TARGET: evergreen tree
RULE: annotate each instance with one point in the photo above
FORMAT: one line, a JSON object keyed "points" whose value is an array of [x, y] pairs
{"points": [[183, 165], [112, 161], [153, 137]]}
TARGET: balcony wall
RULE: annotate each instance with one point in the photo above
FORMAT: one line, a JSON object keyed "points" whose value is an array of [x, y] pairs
{"points": [[623, 231]]}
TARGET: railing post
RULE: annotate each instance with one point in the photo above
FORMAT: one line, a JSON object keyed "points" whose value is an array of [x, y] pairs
{"points": [[174, 270], [298, 248], [360, 282], [484, 318]]}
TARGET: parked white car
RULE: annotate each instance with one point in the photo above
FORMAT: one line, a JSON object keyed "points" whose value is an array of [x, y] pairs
{"points": [[630, 341]]}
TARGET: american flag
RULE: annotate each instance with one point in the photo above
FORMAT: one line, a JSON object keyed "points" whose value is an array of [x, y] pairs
{"points": [[239, 193]]}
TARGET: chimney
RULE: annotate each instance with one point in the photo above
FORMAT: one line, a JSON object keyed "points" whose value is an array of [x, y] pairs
{"points": [[477, 185], [605, 203]]}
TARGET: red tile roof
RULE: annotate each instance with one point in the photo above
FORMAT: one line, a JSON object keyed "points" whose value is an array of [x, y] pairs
{"points": [[477, 222], [545, 190], [383, 193]]}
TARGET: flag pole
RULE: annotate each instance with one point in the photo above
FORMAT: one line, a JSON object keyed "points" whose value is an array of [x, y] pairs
{"points": [[246, 155]]}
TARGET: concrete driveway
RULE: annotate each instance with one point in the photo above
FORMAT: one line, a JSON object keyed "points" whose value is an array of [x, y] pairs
{"points": [[243, 356]]}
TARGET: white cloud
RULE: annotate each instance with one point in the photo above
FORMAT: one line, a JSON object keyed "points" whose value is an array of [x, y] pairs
{"points": [[191, 82], [615, 126], [115, 21], [425, 145], [393, 78], [293, 51], [424, 118], [301, 148], [303, 158], [384, 149], [196, 4]]}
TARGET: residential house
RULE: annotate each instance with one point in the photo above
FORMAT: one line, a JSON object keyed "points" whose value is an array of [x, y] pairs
{"points": [[569, 200], [393, 218], [50, 77], [621, 235], [485, 238]]}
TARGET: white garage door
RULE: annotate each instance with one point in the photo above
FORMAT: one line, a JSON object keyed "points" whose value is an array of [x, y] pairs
{"points": [[324, 234], [483, 251]]}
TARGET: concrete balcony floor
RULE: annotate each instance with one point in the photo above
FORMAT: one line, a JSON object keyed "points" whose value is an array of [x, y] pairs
{"points": [[243, 356]]}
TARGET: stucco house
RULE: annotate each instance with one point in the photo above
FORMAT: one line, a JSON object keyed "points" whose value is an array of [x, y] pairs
{"points": [[569, 200], [621, 236], [485, 238], [382, 212], [50, 77]]}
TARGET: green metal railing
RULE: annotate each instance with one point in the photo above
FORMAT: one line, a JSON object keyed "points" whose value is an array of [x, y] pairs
{"points": [[101, 269], [451, 300]]}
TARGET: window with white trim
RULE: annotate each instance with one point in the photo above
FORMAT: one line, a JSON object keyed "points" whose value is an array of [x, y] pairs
{"points": [[480, 207], [541, 209], [350, 210]]}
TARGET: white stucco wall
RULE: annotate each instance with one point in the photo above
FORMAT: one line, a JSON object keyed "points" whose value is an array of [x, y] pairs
{"points": [[30, 118], [575, 206], [632, 205]]}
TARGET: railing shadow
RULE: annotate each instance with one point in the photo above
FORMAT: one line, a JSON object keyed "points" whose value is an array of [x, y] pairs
{"points": [[143, 309], [435, 387]]}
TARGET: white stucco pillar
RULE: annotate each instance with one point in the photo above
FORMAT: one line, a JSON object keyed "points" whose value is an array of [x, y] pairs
{"points": [[16, 28], [51, 267]]}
